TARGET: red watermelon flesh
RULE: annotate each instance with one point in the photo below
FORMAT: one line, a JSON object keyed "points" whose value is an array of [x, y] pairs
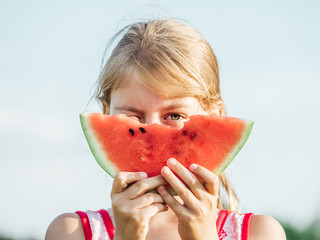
{"points": [[120, 143]]}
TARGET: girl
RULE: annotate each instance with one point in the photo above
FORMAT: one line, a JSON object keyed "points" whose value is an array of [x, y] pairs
{"points": [[163, 71]]}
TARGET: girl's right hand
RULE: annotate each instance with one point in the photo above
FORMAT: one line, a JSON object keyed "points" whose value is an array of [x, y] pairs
{"points": [[132, 207]]}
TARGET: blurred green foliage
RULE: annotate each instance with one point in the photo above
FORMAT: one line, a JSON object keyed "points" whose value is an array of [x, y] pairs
{"points": [[2, 237], [5, 238], [310, 232]]}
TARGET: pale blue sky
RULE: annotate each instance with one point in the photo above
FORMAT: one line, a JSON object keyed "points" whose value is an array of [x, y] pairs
{"points": [[50, 58]]}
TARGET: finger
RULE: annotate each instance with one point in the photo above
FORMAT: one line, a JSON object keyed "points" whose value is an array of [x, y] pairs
{"points": [[210, 179], [170, 200], [187, 177], [146, 200], [183, 192], [122, 179], [140, 187], [153, 209]]}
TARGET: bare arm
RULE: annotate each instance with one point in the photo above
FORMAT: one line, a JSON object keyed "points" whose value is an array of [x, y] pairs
{"points": [[67, 226], [266, 228]]}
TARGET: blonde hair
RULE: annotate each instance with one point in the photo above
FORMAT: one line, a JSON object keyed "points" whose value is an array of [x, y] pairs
{"points": [[171, 59]]}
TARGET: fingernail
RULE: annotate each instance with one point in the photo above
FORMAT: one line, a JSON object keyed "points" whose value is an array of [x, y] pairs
{"points": [[193, 167], [166, 170], [143, 175], [171, 162]]}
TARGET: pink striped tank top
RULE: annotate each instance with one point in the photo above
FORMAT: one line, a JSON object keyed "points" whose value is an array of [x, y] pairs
{"points": [[97, 225]]}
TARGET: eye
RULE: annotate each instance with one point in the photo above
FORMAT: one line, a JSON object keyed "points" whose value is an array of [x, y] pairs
{"points": [[174, 117], [134, 117]]}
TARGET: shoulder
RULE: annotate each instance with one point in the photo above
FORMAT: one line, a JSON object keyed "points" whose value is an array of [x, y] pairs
{"points": [[66, 226], [264, 227]]}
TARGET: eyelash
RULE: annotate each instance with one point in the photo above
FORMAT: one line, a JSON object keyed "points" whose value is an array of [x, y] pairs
{"points": [[177, 115], [167, 117], [137, 117]]}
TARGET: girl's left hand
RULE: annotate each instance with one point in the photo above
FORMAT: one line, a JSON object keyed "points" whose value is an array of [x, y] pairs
{"points": [[197, 215]]}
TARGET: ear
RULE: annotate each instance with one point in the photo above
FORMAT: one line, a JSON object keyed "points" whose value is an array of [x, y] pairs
{"points": [[105, 108], [218, 109], [222, 111]]}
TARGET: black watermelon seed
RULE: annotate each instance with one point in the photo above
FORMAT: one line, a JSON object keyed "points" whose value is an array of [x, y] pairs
{"points": [[192, 135], [185, 132], [131, 131], [142, 130]]}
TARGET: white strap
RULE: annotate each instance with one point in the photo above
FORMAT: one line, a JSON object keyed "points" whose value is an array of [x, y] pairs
{"points": [[98, 228]]}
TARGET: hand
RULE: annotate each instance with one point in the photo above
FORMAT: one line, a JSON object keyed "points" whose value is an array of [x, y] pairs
{"points": [[197, 214], [132, 206]]}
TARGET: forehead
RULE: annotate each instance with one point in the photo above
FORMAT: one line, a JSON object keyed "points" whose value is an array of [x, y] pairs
{"points": [[162, 84], [134, 94]]}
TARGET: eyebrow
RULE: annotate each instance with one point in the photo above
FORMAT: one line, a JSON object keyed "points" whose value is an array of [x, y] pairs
{"points": [[174, 106], [167, 108], [129, 109]]}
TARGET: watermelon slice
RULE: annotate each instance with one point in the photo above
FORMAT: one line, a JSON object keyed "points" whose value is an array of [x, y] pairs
{"points": [[120, 143]]}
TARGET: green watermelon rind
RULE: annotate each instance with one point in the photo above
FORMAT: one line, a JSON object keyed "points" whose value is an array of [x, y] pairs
{"points": [[245, 135], [96, 148]]}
